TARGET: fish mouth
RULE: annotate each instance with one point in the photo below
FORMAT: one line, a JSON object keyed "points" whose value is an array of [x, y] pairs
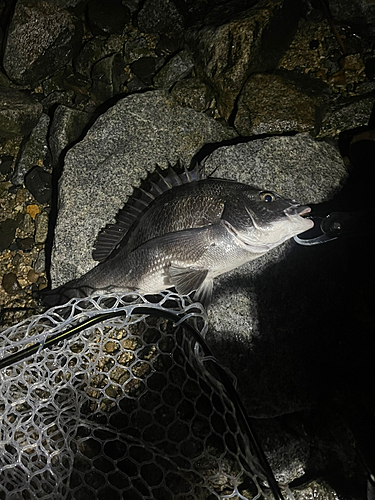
{"points": [[303, 210]]}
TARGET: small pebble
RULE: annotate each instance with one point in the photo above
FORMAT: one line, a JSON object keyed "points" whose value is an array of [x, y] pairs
{"points": [[32, 210], [41, 227], [7, 232], [10, 283], [5, 163], [32, 276], [42, 282], [39, 182], [16, 259], [40, 263], [25, 244]]}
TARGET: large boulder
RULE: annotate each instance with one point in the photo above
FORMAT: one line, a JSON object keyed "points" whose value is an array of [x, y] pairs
{"points": [[19, 112], [42, 38], [253, 41]]}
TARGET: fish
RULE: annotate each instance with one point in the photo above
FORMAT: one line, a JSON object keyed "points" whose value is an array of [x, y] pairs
{"points": [[181, 230]]}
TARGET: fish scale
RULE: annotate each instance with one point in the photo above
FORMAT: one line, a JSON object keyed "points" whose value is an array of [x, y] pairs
{"points": [[182, 233]]}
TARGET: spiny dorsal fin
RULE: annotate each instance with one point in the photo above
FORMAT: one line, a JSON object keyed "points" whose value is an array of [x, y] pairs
{"points": [[139, 202]]}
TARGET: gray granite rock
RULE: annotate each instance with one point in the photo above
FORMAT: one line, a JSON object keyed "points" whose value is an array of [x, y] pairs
{"points": [[297, 167], [160, 16], [254, 41], [67, 126], [193, 93], [176, 69], [359, 14], [33, 151], [135, 49], [19, 112], [108, 17], [348, 114], [129, 139], [95, 49], [41, 39], [275, 103], [108, 78]]}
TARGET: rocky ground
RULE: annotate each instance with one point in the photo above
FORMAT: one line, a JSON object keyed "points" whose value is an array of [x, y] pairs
{"points": [[139, 83]]}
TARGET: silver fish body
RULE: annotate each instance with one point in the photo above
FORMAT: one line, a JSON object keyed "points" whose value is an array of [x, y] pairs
{"points": [[184, 235]]}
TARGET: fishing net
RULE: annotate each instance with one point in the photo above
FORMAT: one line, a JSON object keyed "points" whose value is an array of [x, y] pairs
{"points": [[129, 408]]}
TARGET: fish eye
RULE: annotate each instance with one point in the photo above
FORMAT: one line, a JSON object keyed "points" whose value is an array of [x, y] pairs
{"points": [[267, 196]]}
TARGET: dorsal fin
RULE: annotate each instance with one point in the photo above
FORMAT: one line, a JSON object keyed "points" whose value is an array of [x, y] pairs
{"points": [[139, 202]]}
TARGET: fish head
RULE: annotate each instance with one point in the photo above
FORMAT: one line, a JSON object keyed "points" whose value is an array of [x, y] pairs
{"points": [[261, 220]]}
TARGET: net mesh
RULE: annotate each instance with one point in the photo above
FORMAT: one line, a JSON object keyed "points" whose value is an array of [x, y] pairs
{"points": [[129, 408]]}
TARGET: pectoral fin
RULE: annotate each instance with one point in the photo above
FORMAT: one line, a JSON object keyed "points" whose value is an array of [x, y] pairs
{"points": [[204, 293], [186, 279]]}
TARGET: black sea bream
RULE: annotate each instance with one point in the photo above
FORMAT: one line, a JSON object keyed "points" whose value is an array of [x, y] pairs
{"points": [[182, 231]]}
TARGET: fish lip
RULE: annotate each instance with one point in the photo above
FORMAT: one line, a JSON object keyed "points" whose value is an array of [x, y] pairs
{"points": [[303, 210]]}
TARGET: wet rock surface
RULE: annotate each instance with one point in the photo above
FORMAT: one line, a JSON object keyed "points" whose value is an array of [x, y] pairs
{"points": [[274, 74], [301, 104], [41, 39], [33, 151], [19, 112], [227, 55]]}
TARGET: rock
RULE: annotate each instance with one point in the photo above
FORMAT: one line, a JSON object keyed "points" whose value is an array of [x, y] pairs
{"points": [[281, 102], [226, 55], [135, 49], [132, 5], [192, 93], [347, 114], [40, 263], [93, 50], [19, 113], [108, 77], [176, 69], [67, 127], [41, 40], [6, 162], [25, 244], [28, 225], [296, 167], [135, 84], [358, 14], [160, 16], [32, 276], [168, 45], [10, 284], [39, 182], [242, 332], [131, 137], [4, 81], [41, 230], [7, 233], [145, 68], [33, 151], [58, 97], [64, 4], [106, 18]]}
